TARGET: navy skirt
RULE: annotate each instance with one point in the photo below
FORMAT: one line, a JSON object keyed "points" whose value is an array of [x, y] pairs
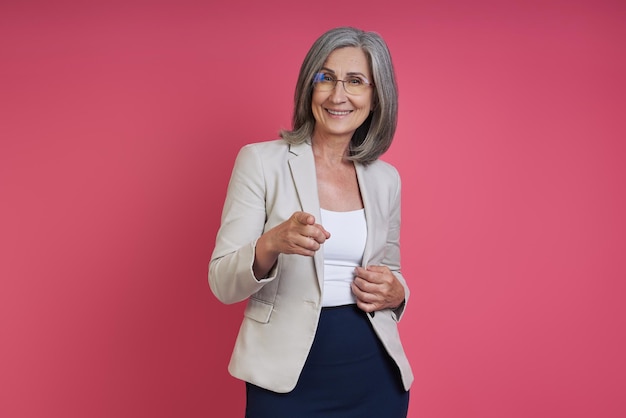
{"points": [[348, 374]]}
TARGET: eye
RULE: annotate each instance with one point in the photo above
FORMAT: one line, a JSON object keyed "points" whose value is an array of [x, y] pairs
{"points": [[327, 77], [355, 81]]}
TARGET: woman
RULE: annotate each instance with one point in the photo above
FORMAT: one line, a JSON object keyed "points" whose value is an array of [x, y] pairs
{"points": [[310, 237]]}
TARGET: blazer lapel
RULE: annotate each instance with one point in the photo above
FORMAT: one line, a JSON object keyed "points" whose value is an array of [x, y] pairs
{"points": [[302, 166], [372, 213]]}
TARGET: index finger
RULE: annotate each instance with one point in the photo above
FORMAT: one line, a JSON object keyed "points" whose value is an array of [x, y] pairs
{"points": [[365, 274], [378, 269], [324, 231]]}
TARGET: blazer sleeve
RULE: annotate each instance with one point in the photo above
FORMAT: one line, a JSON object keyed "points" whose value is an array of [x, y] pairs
{"points": [[392, 250], [231, 277]]}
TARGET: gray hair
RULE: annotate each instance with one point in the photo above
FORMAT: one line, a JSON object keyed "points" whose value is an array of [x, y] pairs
{"points": [[374, 136]]}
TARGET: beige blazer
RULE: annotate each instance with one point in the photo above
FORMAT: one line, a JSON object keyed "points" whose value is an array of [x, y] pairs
{"points": [[270, 181]]}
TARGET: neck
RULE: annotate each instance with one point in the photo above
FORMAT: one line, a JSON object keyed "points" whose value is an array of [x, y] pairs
{"points": [[330, 150]]}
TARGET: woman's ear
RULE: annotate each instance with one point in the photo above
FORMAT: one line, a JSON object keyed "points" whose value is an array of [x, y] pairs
{"points": [[374, 104]]}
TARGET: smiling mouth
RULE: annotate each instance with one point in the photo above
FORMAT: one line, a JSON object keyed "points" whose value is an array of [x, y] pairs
{"points": [[338, 112]]}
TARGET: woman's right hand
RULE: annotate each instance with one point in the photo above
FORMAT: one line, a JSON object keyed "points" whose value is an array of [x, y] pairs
{"points": [[297, 235]]}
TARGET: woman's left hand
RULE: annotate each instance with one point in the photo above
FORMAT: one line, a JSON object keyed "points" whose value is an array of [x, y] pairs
{"points": [[376, 288]]}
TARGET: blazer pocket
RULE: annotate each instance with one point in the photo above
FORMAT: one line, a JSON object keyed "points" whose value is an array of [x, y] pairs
{"points": [[258, 310]]}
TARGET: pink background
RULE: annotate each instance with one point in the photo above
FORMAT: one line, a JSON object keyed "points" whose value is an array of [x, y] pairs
{"points": [[119, 127]]}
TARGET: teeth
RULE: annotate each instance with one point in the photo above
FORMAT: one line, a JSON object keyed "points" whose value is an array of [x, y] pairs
{"points": [[338, 113]]}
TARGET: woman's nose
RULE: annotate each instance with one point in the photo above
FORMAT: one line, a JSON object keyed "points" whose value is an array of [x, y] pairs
{"points": [[338, 93]]}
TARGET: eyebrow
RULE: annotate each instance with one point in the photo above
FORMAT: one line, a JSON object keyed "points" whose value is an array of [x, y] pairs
{"points": [[350, 73]]}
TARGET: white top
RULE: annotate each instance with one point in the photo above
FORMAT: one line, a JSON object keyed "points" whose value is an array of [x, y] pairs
{"points": [[343, 251]]}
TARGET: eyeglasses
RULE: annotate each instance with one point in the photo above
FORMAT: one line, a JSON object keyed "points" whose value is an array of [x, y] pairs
{"points": [[354, 85]]}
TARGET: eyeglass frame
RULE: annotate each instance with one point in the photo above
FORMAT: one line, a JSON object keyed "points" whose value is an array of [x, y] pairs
{"points": [[320, 75]]}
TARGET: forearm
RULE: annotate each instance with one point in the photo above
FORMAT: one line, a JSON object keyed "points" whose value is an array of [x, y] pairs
{"points": [[264, 258], [231, 276]]}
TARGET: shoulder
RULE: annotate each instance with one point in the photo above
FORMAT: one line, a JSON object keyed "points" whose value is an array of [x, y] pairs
{"points": [[273, 152], [257, 153], [266, 147], [269, 157]]}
